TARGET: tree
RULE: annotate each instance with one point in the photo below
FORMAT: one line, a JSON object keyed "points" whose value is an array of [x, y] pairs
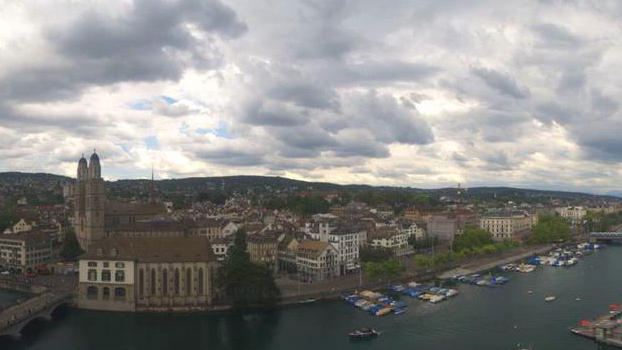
{"points": [[472, 238], [550, 229], [422, 262], [246, 284], [71, 248]]}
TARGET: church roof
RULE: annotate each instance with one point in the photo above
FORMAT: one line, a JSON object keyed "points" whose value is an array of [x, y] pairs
{"points": [[121, 208], [152, 249]]}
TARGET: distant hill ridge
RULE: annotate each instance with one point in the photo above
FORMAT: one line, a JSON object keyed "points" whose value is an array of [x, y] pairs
{"points": [[276, 182]]}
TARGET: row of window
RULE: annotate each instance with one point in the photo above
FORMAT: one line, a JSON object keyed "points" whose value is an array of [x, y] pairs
{"points": [[119, 275], [159, 283], [118, 265]]}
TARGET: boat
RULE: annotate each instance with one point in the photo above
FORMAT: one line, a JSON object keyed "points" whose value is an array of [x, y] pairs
{"points": [[383, 311], [308, 301], [364, 333], [550, 298], [399, 311], [435, 299]]}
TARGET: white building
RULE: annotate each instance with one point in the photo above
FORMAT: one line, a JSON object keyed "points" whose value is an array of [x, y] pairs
{"points": [[508, 224], [25, 251], [572, 213], [220, 247], [390, 238], [316, 260]]}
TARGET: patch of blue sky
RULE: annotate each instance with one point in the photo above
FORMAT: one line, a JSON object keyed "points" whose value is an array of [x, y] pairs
{"points": [[151, 142], [168, 99], [140, 105], [221, 131]]}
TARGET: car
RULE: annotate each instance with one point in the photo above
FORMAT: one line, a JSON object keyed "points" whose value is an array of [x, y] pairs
{"points": [[5, 272]]}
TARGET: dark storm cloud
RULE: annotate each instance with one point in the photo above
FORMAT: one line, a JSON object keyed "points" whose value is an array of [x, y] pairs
{"points": [[152, 42], [501, 82]]}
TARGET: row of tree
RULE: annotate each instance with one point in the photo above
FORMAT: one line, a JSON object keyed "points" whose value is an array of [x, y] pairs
{"points": [[388, 268]]}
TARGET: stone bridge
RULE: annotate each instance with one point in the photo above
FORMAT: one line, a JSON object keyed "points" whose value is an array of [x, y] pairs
{"points": [[16, 317], [606, 236]]}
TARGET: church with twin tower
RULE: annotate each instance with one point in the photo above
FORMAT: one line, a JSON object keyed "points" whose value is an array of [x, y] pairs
{"points": [[89, 202]]}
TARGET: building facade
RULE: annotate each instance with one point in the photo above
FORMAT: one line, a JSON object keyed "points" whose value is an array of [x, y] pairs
{"points": [[263, 250], [25, 251], [316, 261], [506, 225], [147, 274]]}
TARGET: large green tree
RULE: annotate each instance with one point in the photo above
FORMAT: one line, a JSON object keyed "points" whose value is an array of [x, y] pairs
{"points": [[472, 238], [550, 229], [71, 248], [246, 284]]}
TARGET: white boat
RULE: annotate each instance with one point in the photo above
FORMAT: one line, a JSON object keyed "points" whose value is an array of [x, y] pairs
{"points": [[435, 299], [550, 298], [451, 292]]}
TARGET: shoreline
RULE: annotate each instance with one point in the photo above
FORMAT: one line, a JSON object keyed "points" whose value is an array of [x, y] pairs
{"points": [[334, 294]]}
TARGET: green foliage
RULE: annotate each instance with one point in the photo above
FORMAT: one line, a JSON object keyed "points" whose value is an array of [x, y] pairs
{"points": [[71, 248], [371, 254], [387, 268], [245, 283], [550, 229], [7, 219], [472, 238], [422, 261], [599, 222], [216, 197], [303, 205]]}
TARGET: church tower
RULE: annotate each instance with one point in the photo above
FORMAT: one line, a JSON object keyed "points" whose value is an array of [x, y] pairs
{"points": [[89, 201], [79, 198]]}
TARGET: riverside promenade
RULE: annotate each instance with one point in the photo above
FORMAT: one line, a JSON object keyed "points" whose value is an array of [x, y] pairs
{"points": [[480, 266], [293, 291]]}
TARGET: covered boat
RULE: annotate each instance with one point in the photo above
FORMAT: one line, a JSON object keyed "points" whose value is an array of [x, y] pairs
{"points": [[363, 333]]}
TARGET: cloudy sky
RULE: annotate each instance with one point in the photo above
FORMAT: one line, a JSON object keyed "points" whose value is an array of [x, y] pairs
{"points": [[423, 93]]}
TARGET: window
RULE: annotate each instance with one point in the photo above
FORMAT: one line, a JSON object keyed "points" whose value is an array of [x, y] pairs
{"points": [[92, 264], [106, 276], [176, 281], [141, 282], [153, 282], [100, 251], [119, 265], [113, 252], [119, 294], [106, 294], [119, 276], [164, 282], [92, 275], [188, 281], [201, 281], [92, 293], [106, 264]]}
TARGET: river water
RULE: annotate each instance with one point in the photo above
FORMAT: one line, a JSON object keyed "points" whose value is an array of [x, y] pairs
{"points": [[478, 318]]}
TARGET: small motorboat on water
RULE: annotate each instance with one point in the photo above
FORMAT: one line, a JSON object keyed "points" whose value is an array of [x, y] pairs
{"points": [[550, 298], [363, 333]]}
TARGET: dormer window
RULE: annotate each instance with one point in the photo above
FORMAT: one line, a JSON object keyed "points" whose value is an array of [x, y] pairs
{"points": [[113, 252], [100, 251]]}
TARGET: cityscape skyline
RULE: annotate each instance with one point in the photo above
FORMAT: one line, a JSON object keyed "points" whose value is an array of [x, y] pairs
{"points": [[422, 95]]}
